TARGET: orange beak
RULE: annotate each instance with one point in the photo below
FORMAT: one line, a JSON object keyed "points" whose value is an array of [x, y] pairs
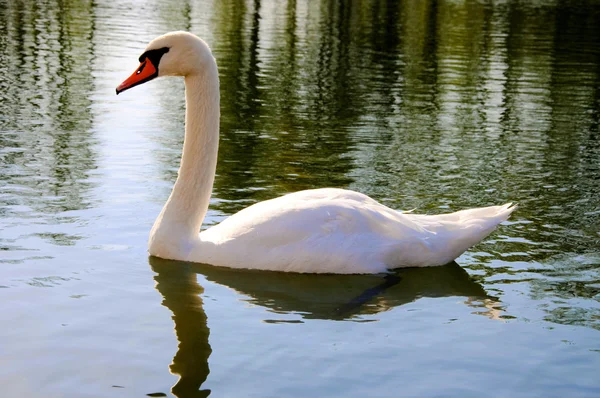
{"points": [[144, 73]]}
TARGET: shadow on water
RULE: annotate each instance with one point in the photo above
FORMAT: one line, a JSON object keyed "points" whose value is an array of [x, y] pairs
{"points": [[333, 297]]}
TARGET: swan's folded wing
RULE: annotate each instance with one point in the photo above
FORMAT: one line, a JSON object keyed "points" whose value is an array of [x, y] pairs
{"points": [[326, 230]]}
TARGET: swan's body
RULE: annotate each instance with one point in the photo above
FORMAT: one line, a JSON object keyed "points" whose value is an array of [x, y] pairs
{"points": [[322, 230]]}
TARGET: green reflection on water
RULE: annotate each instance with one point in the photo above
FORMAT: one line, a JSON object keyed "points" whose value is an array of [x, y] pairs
{"points": [[44, 101]]}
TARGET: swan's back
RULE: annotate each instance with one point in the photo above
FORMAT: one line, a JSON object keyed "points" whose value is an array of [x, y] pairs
{"points": [[339, 231]]}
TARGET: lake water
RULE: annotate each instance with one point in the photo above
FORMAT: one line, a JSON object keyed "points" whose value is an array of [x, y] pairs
{"points": [[432, 105]]}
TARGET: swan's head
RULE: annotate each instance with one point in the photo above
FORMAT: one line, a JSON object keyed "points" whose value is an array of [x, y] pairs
{"points": [[172, 54]]}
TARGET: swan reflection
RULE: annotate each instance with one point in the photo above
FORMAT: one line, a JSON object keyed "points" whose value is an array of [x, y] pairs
{"points": [[333, 297], [182, 295]]}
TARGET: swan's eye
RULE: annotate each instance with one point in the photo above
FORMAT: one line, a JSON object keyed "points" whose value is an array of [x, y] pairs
{"points": [[141, 68]]}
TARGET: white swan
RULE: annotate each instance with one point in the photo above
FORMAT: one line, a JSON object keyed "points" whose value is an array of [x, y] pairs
{"points": [[320, 231]]}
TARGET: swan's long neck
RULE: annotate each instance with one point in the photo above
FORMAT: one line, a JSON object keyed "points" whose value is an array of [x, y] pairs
{"points": [[178, 225]]}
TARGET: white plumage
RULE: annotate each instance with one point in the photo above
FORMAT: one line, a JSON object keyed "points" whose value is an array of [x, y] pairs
{"points": [[322, 231], [341, 231]]}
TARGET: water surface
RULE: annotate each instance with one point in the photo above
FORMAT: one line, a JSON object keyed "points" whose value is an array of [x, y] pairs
{"points": [[432, 105]]}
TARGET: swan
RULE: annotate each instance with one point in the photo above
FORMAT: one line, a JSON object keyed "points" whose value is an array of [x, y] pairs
{"points": [[326, 230]]}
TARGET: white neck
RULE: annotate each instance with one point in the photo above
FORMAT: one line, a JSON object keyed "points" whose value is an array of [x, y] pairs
{"points": [[178, 225]]}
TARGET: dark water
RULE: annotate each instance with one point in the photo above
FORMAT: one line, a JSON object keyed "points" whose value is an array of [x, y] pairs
{"points": [[432, 105]]}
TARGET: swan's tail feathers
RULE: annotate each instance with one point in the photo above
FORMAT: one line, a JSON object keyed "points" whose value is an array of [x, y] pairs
{"points": [[474, 225], [457, 232], [494, 214]]}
